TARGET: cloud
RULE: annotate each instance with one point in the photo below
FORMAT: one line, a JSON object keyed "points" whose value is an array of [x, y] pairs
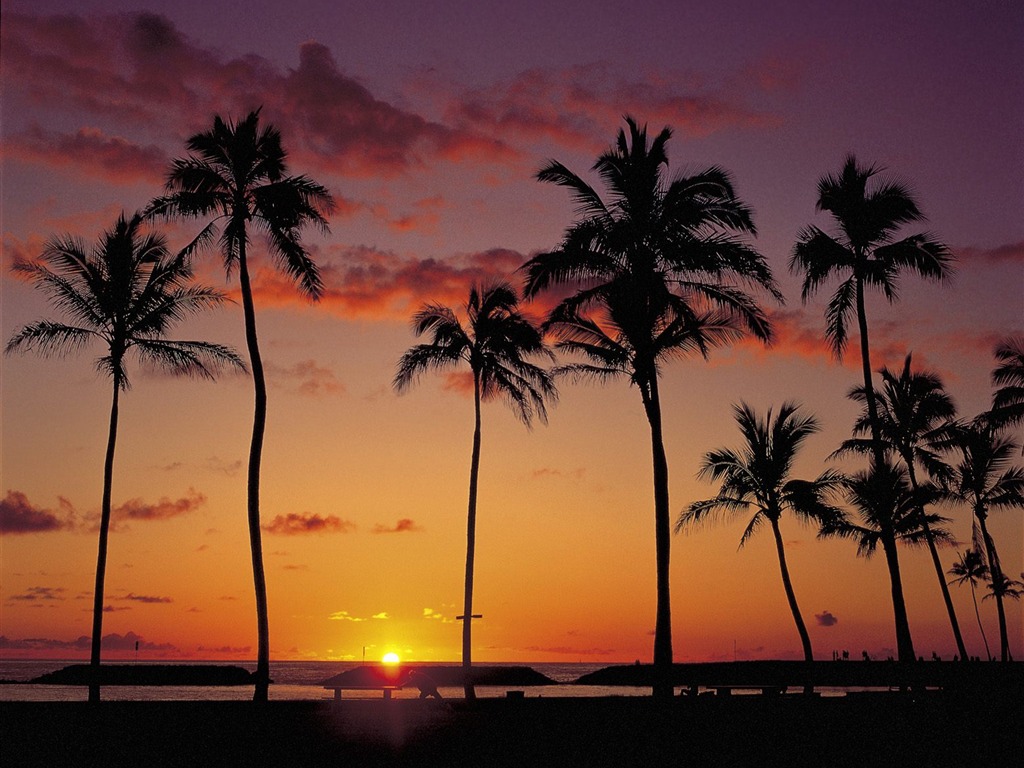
{"points": [[137, 509], [343, 616], [111, 642], [430, 613], [569, 651], [544, 472], [223, 467], [90, 152], [1008, 253], [19, 516], [294, 523], [144, 598], [405, 525], [307, 378], [381, 615], [231, 650], [35, 594], [826, 619]]}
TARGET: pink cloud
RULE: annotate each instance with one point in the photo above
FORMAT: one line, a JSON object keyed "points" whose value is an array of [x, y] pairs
{"points": [[405, 525], [137, 509], [19, 516], [294, 524], [1008, 253], [307, 377]]}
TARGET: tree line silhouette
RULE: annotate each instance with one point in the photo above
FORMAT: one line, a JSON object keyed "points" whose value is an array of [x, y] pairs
{"points": [[656, 269]]}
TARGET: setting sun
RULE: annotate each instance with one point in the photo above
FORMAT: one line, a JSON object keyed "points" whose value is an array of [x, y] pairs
{"points": [[390, 658]]}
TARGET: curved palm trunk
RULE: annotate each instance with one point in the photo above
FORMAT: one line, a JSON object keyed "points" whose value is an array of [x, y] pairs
{"points": [[981, 627], [101, 557], [467, 604], [996, 574], [904, 644], [663, 619], [801, 628], [869, 390], [259, 423], [941, 574]]}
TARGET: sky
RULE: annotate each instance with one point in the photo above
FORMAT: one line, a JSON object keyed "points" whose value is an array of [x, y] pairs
{"points": [[427, 122]]}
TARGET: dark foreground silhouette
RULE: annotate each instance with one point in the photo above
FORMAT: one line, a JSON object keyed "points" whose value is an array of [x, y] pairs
{"points": [[931, 729]]}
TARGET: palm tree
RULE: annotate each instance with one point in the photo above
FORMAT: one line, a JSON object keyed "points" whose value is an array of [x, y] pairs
{"points": [[236, 173], [756, 478], [864, 254], [495, 342], [913, 410], [889, 512], [127, 292], [970, 569], [1008, 376], [985, 478], [661, 268]]}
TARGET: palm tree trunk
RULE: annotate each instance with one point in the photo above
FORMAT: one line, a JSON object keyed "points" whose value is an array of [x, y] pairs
{"points": [[996, 575], [904, 643], [101, 557], [981, 627], [259, 423], [869, 390], [663, 618], [943, 586], [801, 628], [467, 604]]}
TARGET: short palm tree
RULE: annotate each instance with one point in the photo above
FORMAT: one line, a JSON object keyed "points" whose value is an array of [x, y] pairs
{"points": [[864, 254], [127, 292], [494, 342], [236, 174], [756, 478], [970, 569], [659, 269], [985, 478], [913, 411], [889, 511], [1008, 376]]}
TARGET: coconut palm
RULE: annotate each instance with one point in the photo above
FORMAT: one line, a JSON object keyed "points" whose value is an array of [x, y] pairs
{"points": [[659, 270], [889, 511], [985, 478], [864, 254], [1008, 376], [970, 569], [236, 174], [494, 342], [757, 478], [126, 292], [913, 411]]}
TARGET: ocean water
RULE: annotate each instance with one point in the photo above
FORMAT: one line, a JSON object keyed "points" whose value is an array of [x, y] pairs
{"points": [[292, 680]]}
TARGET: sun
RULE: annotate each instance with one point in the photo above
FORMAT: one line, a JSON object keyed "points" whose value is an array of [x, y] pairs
{"points": [[390, 658]]}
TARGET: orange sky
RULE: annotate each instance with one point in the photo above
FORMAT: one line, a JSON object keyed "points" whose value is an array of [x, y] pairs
{"points": [[429, 152]]}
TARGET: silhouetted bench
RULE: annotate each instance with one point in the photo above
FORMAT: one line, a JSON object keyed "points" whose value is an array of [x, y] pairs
{"points": [[387, 689]]}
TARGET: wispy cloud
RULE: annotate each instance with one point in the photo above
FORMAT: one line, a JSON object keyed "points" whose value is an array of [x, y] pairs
{"points": [[307, 377], [296, 524], [36, 594], [19, 516], [137, 509], [405, 525]]}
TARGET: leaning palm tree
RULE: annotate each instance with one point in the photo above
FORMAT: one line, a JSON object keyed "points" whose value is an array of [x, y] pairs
{"points": [[756, 478], [889, 511], [127, 292], [659, 269], [985, 478], [970, 569], [236, 173], [1008, 376], [864, 253], [494, 343], [913, 411]]}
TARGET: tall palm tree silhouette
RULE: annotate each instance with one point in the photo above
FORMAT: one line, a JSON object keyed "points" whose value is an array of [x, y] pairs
{"points": [[494, 343], [913, 412], [985, 478], [756, 478], [1008, 376], [970, 569], [864, 254], [660, 268], [126, 292], [236, 173], [889, 512]]}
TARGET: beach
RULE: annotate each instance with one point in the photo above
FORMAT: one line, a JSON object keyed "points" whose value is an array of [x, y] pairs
{"points": [[906, 729]]}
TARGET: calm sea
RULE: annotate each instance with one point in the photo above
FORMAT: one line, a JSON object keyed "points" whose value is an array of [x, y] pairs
{"points": [[293, 680]]}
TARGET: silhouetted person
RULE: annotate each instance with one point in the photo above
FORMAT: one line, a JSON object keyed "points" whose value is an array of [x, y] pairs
{"points": [[424, 682]]}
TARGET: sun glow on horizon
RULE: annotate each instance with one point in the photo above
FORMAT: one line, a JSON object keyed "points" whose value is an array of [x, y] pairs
{"points": [[390, 658]]}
